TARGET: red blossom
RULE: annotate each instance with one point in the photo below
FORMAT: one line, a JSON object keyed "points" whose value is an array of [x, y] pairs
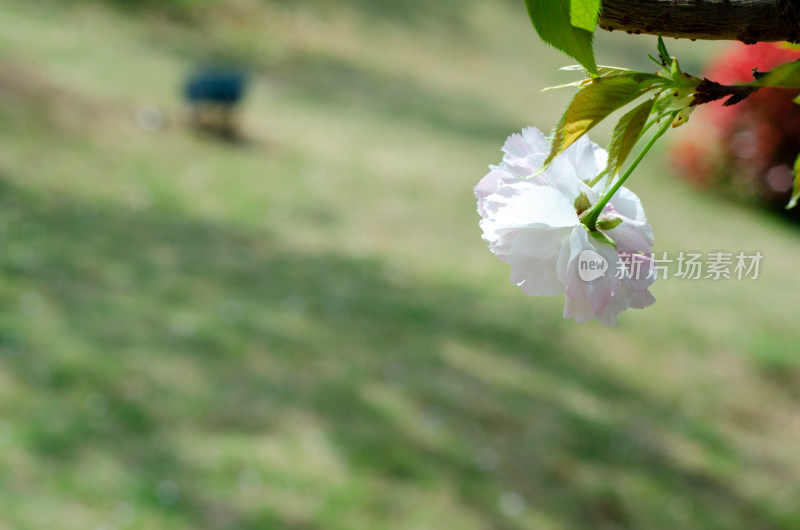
{"points": [[744, 147]]}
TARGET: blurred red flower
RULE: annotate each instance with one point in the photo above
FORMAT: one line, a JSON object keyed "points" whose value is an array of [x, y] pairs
{"points": [[746, 149]]}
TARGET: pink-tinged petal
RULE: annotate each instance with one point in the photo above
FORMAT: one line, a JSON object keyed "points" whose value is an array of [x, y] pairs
{"points": [[494, 180], [624, 298], [628, 204], [530, 142], [515, 147], [525, 153], [632, 290], [578, 310], [536, 140], [628, 238], [629, 207], [597, 292], [523, 167], [641, 299], [602, 289], [632, 210], [638, 270], [490, 205], [608, 318], [489, 184]]}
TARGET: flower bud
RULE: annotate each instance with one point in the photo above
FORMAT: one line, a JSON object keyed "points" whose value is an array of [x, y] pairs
{"points": [[607, 222], [582, 203]]}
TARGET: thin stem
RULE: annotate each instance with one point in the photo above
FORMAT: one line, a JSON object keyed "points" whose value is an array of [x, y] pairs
{"points": [[603, 173], [591, 216], [598, 178]]}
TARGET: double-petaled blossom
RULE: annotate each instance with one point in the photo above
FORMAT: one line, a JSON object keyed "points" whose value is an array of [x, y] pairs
{"points": [[532, 223]]}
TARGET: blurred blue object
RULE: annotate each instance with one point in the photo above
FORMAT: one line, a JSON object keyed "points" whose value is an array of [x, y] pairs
{"points": [[217, 86], [214, 94]]}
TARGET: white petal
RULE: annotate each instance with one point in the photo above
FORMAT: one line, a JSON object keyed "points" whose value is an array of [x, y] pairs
{"points": [[515, 147], [496, 178], [629, 207], [534, 258], [527, 204], [627, 203], [530, 142], [586, 157], [536, 140], [531, 224], [561, 176], [523, 167]]}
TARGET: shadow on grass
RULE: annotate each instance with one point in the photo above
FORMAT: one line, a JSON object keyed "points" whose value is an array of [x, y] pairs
{"points": [[139, 336], [443, 12], [446, 13], [335, 82]]}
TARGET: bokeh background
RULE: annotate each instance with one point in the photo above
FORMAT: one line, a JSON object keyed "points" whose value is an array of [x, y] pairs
{"points": [[301, 328]]}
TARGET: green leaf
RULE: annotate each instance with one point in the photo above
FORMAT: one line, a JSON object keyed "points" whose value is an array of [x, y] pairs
{"points": [[583, 13], [594, 102], [796, 189], [552, 20], [657, 61], [783, 76], [662, 52], [602, 71], [626, 133]]}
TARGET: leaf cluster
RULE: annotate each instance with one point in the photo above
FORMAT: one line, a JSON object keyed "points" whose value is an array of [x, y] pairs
{"points": [[568, 25], [668, 95]]}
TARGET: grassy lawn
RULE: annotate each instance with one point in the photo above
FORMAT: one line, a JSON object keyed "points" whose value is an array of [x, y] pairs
{"points": [[303, 329]]}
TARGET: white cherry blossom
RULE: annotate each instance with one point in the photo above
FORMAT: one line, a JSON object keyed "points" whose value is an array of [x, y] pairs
{"points": [[531, 223]]}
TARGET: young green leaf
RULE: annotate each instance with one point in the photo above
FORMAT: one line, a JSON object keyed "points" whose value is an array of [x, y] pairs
{"points": [[583, 13], [796, 189], [553, 22], [626, 133], [783, 76], [601, 70], [594, 102], [662, 52]]}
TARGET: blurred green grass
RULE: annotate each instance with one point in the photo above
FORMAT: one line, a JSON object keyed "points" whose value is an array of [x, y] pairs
{"points": [[304, 330]]}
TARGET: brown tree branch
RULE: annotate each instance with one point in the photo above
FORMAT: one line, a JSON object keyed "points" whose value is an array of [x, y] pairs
{"points": [[749, 21]]}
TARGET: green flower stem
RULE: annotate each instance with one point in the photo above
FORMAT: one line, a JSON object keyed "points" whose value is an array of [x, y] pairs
{"points": [[603, 173], [593, 214], [598, 178]]}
